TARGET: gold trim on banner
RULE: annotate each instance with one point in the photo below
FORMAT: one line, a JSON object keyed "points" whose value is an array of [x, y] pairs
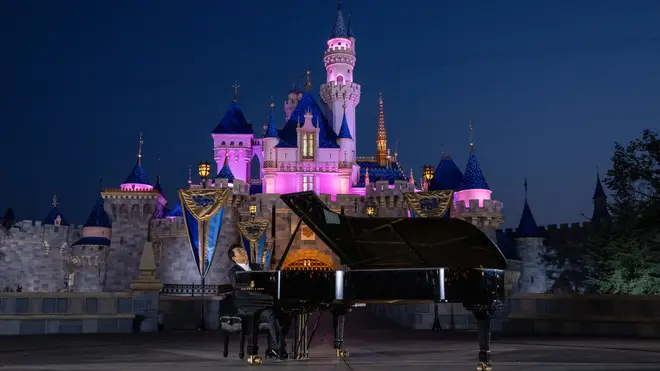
{"points": [[203, 203], [429, 204], [211, 201], [252, 230]]}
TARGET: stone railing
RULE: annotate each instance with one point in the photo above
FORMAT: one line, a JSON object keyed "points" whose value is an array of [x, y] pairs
{"points": [[24, 313]]}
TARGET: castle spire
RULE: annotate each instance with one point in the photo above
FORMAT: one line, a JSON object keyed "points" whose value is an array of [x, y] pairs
{"points": [[139, 155], [236, 86], [344, 131], [189, 175], [471, 142], [527, 226], [271, 130], [339, 30], [381, 142], [54, 200], [308, 81]]}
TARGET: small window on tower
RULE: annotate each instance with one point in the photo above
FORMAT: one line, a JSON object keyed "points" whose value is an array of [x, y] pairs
{"points": [[308, 183], [340, 80]]}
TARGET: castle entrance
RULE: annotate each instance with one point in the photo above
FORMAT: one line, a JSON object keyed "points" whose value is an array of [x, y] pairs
{"points": [[310, 260]]}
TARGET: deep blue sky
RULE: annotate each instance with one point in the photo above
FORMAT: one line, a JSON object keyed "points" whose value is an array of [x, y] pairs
{"points": [[549, 86]]}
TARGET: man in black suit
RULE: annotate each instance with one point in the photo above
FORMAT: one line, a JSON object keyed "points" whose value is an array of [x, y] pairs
{"points": [[276, 333]]}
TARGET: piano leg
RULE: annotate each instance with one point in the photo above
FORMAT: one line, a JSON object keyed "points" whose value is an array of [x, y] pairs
{"points": [[300, 350], [483, 313], [338, 320], [251, 331]]}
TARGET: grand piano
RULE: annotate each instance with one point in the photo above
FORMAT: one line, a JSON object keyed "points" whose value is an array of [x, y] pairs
{"points": [[385, 260]]}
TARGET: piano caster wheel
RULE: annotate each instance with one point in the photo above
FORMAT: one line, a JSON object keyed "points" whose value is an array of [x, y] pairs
{"points": [[342, 353], [255, 360], [484, 367]]}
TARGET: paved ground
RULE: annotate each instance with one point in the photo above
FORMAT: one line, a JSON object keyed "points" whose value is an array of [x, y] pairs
{"points": [[373, 345]]}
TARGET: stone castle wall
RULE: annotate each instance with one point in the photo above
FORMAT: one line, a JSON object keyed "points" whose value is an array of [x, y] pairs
{"points": [[33, 256]]}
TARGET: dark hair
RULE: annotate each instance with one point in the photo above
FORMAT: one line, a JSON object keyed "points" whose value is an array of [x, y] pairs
{"points": [[232, 247]]}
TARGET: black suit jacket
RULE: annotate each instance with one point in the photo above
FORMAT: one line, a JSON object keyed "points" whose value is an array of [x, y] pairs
{"points": [[230, 307]]}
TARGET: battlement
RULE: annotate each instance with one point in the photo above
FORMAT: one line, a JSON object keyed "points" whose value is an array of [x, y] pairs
{"points": [[29, 227], [543, 231], [493, 207], [382, 189], [167, 227]]}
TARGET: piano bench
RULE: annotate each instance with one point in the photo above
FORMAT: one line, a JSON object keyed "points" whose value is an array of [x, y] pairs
{"points": [[233, 324]]}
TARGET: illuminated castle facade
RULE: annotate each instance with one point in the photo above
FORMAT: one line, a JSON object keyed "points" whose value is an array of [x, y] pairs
{"points": [[313, 149]]}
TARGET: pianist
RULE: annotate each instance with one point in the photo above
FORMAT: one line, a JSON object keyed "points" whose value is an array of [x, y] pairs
{"points": [[276, 333]]}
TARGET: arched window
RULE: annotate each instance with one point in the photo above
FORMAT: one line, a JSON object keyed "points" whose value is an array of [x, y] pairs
{"points": [[340, 80], [308, 145]]}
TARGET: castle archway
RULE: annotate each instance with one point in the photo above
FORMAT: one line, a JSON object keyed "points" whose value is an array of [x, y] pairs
{"points": [[307, 259]]}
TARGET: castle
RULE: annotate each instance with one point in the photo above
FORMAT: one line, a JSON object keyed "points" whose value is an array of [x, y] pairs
{"points": [[314, 149]]}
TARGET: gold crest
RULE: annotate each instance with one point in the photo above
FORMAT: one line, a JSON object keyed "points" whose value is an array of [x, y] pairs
{"points": [[252, 284]]}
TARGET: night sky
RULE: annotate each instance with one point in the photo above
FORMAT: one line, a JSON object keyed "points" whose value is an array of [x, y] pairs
{"points": [[548, 85]]}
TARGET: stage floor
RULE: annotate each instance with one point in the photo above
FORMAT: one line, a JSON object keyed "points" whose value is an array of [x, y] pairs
{"points": [[373, 345]]}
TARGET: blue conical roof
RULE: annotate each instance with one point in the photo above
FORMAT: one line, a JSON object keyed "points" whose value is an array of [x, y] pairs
{"points": [[225, 172], [289, 133], [344, 131], [52, 216], [98, 217], [599, 192], [271, 129], [447, 176], [233, 122], [473, 178], [340, 29], [350, 28], [137, 175], [527, 226], [176, 211]]}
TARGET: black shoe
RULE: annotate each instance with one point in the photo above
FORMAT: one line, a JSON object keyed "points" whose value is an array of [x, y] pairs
{"points": [[283, 354], [271, 353]]}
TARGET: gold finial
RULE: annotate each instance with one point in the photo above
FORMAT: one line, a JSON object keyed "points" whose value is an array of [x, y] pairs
{"points": [[139, 158], [308, 81], [471, 142], [272, 102], [236, 86], [338, 4], [412, 177], [55, 200], [226, 163], [189, 175], [299, 121], [380, 98]]}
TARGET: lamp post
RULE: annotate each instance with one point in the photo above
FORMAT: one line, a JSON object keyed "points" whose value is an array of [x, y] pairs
{"points": [[253, 211], [204, 171], [427, 171]]}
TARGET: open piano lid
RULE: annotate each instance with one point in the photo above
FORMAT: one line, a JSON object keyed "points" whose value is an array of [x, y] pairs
{"points": [[382, 243]]}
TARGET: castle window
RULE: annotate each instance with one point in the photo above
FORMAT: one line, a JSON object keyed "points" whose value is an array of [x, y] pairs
{"points": [[231, 143], [308, 146], [531, 280], [71, 280], [340, 80], [223, 143], [240, 144], [308, 183]]}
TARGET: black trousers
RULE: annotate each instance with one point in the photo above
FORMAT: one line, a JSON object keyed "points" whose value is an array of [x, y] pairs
{"points": [[275, 338]]}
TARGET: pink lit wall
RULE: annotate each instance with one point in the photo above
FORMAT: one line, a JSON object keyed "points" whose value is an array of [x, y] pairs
{"points": [[472, 194], [136, 187], [328, 184], [97, 232]]}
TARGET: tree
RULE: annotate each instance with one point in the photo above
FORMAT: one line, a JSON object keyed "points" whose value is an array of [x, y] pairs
{"points": [[623, 256]]}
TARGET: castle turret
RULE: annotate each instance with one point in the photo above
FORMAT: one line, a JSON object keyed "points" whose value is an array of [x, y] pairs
{"points": [[87, 263], [225, 174], [137, 180], [55, 217], [340, 88], [232, 140], [472, 201], [292, 101], [529, 244], [600, 214], [346, 144]]}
